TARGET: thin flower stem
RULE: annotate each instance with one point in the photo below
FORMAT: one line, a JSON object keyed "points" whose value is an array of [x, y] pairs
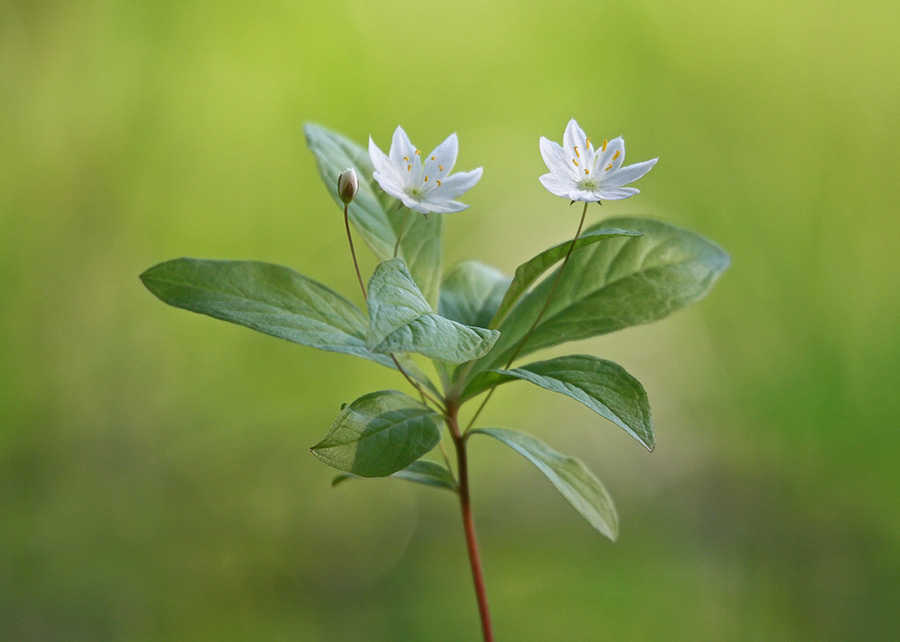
{"points": [[362, 287], [536, 321], [400, 233], [459, 440], [353, 252]]}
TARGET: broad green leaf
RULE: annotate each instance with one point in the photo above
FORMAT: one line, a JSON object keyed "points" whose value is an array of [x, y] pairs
{"points": [[425, 472], [603, 386], [379, 434], [531, 270], [608, 286], [400, 320], [271, 299], [570, 477], [471, 292], [376, 214]]}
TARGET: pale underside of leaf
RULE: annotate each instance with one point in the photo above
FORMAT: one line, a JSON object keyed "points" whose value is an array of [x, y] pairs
{"points": [[402, 321], [268, 298], [379, 434], [569, 475], [603, 386], [427, 473]]}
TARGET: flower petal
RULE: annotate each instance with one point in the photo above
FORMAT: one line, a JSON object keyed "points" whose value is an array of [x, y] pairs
{"points": [[628, 174], [402, 150], [456, 185], [442, 206], [574, 137], [555, 160], [556, 186], [381, 162], [618, 193], [444, 158], [614, 154]]}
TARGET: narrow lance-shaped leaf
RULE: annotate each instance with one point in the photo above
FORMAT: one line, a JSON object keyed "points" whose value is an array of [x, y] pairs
{"points": [[427, 473], [613, 285], [271, 299], [569, 475], [375, 214], [471, 292], [379, 434], [603, 386], [400, 320], [531, 270]]}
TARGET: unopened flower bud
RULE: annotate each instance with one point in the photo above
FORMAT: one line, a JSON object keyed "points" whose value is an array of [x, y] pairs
{"points": [[348, 185]]}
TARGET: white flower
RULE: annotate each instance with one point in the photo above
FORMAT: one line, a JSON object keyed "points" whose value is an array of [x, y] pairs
{"points": [[579, 171], [423, 184]]}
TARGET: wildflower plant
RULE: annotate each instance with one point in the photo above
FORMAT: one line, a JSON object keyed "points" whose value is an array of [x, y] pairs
{"points": [[473, 321]]}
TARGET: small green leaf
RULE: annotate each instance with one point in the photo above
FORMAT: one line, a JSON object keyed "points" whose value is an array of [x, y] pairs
{"points": [[376, 214], [425, 472], [268, 298], [608, 286], [471, 292], [400, 320], [380, 434], [603, 386], [531, 270], [570, 477]]}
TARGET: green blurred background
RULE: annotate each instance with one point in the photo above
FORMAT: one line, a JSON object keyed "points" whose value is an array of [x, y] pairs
{"points": [[155, 479]]}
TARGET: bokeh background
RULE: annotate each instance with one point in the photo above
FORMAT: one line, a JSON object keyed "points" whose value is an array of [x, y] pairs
{"points": [[155, 479]]}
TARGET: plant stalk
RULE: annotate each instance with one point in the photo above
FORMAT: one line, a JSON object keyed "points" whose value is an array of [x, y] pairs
{"points": [[462, 465]]}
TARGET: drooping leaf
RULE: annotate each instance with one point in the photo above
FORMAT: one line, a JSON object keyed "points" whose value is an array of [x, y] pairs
{"points": [[271, 299], [608, 286], [531, 270], [471, 292], [379, 434], [400, 320], [603, 386], [375, 213], [569, 475], [425, 472]]}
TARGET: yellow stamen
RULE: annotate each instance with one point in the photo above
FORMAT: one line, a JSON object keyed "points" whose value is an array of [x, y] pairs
{"points": [[588, 142], [586, 173], [418, 153], [406, 158], [438, 183], [440, 168], [409, 168], [608, 167], [605, 143], [616, 155], [576, 152], [432, 158], [426, 179], [575, 161]]}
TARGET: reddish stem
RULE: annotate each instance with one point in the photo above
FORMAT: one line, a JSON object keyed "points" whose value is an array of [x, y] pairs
{"points": [[459, 440]]}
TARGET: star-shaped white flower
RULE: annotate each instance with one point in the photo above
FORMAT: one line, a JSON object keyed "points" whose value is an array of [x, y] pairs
{"points": [[579, 171], [422, 183]]}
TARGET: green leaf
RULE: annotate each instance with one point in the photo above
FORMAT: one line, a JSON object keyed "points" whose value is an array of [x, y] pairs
{"points": [[603, 386], [570, 477], [425, 472], [471, 292], [400, 320], [379, 434], [608, 286], [531, 270], [375, 214]]}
